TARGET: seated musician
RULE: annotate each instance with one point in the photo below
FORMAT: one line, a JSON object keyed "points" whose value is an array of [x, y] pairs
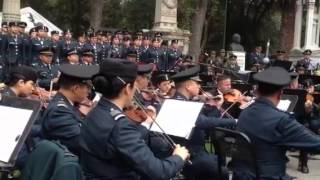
{"points": [[20, 82], [111, 144], [61, 120], [271, 130], [311, 120], [87, 57], [204, 165], [164, 87]]}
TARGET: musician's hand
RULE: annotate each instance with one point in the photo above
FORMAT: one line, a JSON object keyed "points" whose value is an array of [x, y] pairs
{"points": [[182, 152], [55, 80]]}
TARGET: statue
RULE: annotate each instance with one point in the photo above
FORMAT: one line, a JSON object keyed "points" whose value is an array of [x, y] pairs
{"points": [[235, 45]]}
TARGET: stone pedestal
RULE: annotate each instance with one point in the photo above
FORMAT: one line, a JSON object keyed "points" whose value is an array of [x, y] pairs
{"points": [[11, 10], [298, 26], [165, 21], [308, 41]]}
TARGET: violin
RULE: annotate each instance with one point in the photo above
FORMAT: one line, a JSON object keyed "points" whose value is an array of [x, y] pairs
{"points": [[235, 96], [42, 95], [138, 115]]}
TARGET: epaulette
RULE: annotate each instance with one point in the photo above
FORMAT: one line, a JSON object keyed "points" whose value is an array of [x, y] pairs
{"points": [[116, 114], [62, 104]]}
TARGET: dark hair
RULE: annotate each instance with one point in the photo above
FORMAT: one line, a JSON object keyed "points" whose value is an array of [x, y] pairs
{"points": [[110, 87], [13, 78], [268, 89], [222, 78]]}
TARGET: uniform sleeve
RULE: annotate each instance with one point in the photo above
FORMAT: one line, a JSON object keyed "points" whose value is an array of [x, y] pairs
{"points": [[62, 124], [205, 122], [133, 149], [293, 134]]}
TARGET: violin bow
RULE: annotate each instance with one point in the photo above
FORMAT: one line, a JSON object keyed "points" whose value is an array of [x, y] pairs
{"points": [[163, 134], [224, 112]]}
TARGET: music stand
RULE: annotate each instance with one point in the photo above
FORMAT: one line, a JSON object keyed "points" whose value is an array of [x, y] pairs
{"points": [[315, 79], [18, 116], [293, 99], [284, 64], [299, 108]]}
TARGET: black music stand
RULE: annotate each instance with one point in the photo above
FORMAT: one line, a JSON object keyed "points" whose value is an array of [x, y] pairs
{"points": [[315, 79], [18, 116], [299, 109], [284, 64], [293, 101]]}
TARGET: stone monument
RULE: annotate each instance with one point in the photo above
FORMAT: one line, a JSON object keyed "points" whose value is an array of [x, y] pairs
{"points": [[11, 10], [165, 21], [236, 43]]}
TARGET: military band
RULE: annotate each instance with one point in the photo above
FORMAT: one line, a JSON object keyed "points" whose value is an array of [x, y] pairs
{"points": [[112, 74]]}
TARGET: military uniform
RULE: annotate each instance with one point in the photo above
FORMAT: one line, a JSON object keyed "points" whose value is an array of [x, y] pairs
{"points": [[115, 52], [13, 52], [96, 50], [64, 47], [62, 122], [112, 148], [46, 72], [36, 45], [156, 56], [173, 56], [271, 132], [144, 53], [204, 165]]}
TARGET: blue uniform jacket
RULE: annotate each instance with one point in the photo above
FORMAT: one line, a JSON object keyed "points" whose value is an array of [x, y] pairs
{"points": [[113, 148], [271, 132], [61, 122]]}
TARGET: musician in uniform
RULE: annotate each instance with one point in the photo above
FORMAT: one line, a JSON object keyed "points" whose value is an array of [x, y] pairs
{"points": [[21, 82], [47, 70], [271, 130], [111, 144], [61, 120], [255, 58], [204, 165]]}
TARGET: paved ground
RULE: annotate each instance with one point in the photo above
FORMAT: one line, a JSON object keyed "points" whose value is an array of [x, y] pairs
{"points": [[314, 167]]}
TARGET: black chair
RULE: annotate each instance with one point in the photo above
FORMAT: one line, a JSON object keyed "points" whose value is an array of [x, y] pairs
{"points": [[234, 144]]}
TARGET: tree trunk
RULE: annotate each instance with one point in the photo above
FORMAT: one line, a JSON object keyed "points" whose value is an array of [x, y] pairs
{"points": [[287, 27], [198, 21], [96, 9]]}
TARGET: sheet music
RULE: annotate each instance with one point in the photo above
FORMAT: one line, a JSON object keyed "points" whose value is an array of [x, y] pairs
{"points": [[12, 125], [284, 105], [177, 117]]}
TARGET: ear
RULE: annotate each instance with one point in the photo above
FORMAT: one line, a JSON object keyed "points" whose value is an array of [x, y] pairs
{"points": [[20, 83]]}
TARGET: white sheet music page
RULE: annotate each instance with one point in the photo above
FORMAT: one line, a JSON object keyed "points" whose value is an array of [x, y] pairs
{"points": [[177, 117], [12, 124], [284, 105]]}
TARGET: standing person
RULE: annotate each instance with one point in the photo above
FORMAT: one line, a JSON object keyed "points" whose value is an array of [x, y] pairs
{"points": [[306, 62], [271, 130], [66, 44], [111, 144], [13, 48], [54, 45]]}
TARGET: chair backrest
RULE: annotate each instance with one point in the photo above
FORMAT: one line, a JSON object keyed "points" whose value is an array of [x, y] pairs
{"points": [[231, 143]]}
